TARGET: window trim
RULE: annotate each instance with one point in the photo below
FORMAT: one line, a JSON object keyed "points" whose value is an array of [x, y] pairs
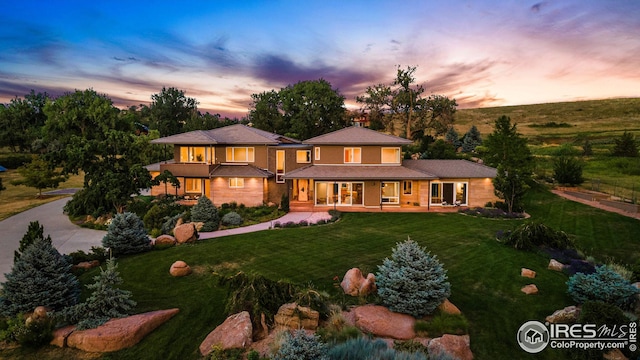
{"points": [[316, 153], [441, 195], [390, 199], [192, 190], [191, 154], [397, 155]]}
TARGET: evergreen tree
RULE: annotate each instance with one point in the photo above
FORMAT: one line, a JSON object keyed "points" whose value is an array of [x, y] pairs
{"points": [[471, 139], [587, 149], [412, 281], [106, 300], [126, 235], [40, 277], [625, 146], [453, 138], [204, 211], [34, 231]]}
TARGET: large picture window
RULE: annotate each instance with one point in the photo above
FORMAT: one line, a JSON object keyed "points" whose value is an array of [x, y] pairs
{"points": [[240, 154], [449, 193], [192, 154], [390, 156], [390, 192], [352, 155], [339, 193], [193, 186]]}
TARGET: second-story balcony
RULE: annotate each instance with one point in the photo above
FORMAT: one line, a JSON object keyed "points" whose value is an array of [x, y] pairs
{"points": [[188, 169]]}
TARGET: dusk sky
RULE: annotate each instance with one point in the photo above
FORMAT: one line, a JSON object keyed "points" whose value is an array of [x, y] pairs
{"points": [[482, 53]]}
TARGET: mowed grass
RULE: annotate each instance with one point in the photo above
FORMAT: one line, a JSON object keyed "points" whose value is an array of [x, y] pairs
{"points": [[485, 275], [18, 198]]}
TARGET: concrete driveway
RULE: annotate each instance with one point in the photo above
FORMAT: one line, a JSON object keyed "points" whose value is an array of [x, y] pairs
{"points": [[66, 236]]}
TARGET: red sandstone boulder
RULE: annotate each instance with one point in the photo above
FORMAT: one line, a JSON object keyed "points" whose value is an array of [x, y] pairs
{"points": [[380, 321], [185, 233], [448, 308], [524, 272], [117, 334], [165, 240], [60, 336], [234, 333], [296, 317], [86, 265], [530, 289], [458, 346], [570, 314], [555, 265], [355, 284], [179, 268]]}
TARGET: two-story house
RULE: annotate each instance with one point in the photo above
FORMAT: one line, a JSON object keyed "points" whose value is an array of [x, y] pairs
{"points": [[353, 169]]}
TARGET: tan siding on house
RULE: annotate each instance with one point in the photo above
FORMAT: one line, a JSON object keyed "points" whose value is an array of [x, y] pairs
{"points": [[481, 192], [252, 194], [371, 193], [410, 199], [425, 189]]}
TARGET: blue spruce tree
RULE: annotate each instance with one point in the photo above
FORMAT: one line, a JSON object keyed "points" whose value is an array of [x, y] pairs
{"points": [[204, 211], [126, 235], [412, 281], [41, 276]]}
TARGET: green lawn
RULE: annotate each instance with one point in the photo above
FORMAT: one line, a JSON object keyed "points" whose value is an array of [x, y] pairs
{"points": [[485, 275]]}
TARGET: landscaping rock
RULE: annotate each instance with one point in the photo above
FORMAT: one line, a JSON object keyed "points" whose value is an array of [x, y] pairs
{"points": [[86, 265], [355, 284], [60, 336], [40, 312], [530, 289], [198, 225], [524, 272], [457, 346], [179, 268], [380, 321], [448, 308], [234, 333], [296, 317], [185, 233], [555, 265], [117, 334], [569, 314], [165, 240]]}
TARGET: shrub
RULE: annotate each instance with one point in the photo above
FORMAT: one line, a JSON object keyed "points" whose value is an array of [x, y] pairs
{"points": [[284, 203], [126, 235], [155, 217], [568, 170], [412, 281], [33, 334], [598, 313], [625, 145], [96, 253], [15, 161], [366, 349], [300, 346], [218, 353], [40, 277], [604, 285], [204, 211], [232, 219], [257, 295], [531, 234]]}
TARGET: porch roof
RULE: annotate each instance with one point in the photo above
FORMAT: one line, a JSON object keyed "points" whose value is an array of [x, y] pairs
{"points": [[240, 170], [340, 172], [451, 168]]}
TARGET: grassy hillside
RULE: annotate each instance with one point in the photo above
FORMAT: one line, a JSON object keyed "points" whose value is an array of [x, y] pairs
{"points": [[597, 119]]}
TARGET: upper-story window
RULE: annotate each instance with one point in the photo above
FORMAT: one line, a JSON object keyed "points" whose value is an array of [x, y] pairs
{"points": [[352, 155], [303, 156], [390, 155], [317, 153], [192, 154], [240, 154]]}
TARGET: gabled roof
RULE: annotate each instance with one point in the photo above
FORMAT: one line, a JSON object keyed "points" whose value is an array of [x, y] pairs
{"points": [[451, 168], [357, 136], [237, 134]]}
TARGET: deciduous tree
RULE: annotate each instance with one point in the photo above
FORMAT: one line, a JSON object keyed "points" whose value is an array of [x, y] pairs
{"points": [[170, 109], [39, 174], [507, 150], [377, 103]]}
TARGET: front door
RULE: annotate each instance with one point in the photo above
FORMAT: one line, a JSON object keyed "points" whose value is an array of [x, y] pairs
{"points": [[303, 190]]}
